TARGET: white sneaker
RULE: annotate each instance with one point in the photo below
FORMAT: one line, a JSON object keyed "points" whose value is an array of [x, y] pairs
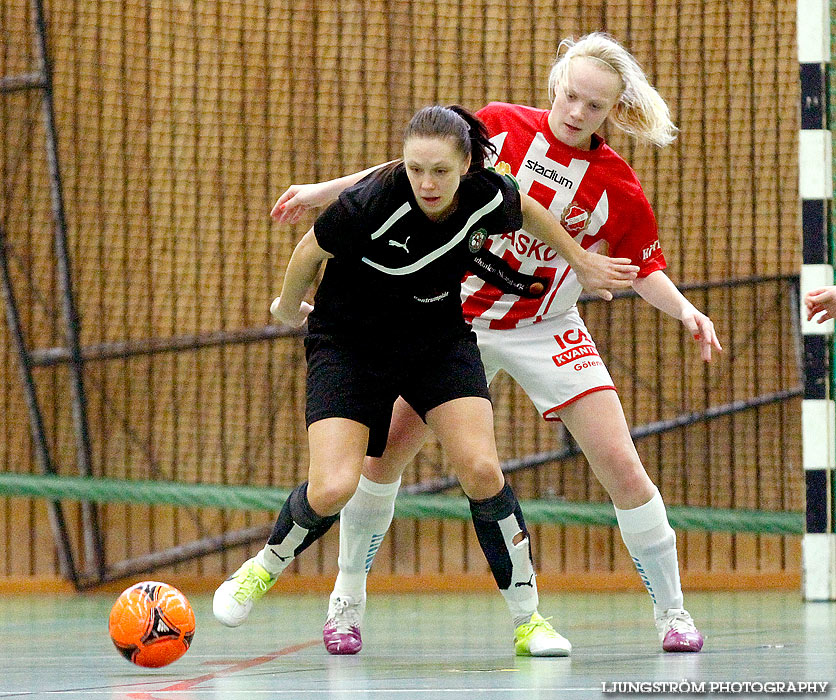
{"points": [[677, 631], [341, 632], [235, 597], [538, 638]]}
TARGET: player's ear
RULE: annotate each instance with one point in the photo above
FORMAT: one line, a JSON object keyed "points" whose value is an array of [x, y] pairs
{"points": [[466, 164]]}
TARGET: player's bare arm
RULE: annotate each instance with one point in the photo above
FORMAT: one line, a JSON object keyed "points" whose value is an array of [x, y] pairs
{"points": [[298, 199], [301, 272], [658, 290], [596, 273]]}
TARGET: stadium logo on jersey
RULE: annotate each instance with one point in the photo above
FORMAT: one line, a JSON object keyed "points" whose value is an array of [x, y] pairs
{"points": [[550, 173], [649, 250], [476, 239], [574, 218]]}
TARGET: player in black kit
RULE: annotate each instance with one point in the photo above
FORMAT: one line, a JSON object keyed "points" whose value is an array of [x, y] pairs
{"points": [[387, 322]]}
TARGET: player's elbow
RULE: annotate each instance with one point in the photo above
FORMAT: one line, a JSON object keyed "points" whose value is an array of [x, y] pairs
{"points": [[308, 256]]}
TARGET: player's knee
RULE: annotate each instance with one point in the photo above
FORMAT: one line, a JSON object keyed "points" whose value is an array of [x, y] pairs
{"points": [[382, 469], [329, 496], [480, 476], [628, 484]]}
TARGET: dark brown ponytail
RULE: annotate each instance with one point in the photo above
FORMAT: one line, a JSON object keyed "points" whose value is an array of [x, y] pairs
{"points": [[464, 128]]}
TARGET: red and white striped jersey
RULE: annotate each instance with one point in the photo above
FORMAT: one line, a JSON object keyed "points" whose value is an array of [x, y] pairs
{"points": [[595, 194]]}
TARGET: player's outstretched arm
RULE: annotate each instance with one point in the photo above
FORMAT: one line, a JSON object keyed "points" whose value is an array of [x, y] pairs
{"points": [[501, 275], [821, 301], [597, 273], [658, 290], [298, 199], [290, 308]]}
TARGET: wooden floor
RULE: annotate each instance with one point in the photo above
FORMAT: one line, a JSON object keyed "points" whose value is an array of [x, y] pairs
{"points": [[418, 646]]}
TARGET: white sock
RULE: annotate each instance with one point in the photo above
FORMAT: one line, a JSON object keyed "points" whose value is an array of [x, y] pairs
{"points": [[277, 557], [651, 542], [363, 524]]}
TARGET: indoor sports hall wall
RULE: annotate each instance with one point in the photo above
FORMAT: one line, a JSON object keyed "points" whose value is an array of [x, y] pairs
{"points": [[180, 123]]}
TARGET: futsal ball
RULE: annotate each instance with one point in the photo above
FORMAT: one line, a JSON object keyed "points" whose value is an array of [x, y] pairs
{"points": [[152, 624]]}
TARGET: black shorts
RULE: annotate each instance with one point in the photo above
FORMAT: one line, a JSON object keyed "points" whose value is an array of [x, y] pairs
{"points": [[361, 385]]}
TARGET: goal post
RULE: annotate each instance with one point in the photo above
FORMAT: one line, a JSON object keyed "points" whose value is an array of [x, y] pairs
{"points": [[816, 193]]}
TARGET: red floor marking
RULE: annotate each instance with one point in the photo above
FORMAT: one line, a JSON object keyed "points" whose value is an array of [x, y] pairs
{"points": [[234, 668]]}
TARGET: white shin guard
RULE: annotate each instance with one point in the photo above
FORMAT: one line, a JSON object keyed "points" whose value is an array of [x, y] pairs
{"points": [[521, 596], [277, 557]]}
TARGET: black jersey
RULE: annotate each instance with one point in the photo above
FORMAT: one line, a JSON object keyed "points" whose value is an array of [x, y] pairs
{"points": [[396, 275]]}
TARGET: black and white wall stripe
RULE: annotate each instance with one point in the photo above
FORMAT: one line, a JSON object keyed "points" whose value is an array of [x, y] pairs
{"points": [[818, 419]]}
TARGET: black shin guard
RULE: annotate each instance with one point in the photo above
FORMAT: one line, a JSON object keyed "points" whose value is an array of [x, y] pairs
{"points": [[298, 525], [498, 520]]}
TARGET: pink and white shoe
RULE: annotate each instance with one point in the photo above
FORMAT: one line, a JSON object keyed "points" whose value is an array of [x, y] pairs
{"points": [[677, 631], [341, 632]]}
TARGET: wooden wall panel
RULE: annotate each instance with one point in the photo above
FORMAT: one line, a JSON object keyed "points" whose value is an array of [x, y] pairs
{"points": [[179, 125]]}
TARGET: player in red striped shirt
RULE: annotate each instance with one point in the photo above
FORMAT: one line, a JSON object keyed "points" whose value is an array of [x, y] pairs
{"points": [[559, 159]]}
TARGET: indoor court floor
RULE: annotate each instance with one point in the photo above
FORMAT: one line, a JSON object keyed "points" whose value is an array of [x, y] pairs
{"points": [[421, 646]]}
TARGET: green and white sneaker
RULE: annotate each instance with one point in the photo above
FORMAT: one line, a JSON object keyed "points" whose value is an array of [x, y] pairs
{"points": [[235, 597], [538, 638]]}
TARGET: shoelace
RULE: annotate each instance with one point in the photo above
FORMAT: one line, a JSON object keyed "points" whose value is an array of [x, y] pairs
{"points": [[528, 627], [346, 615], [679, 622], [251, 583]]}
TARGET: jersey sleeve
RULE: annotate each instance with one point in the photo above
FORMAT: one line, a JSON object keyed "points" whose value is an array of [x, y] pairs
{"points": [[333, 227], [500, 274], [641, 240], [340, 228], [490, 115], [511, 204]]}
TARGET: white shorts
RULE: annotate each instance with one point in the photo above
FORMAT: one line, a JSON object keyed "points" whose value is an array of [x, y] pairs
{"points": [[555, 361]]}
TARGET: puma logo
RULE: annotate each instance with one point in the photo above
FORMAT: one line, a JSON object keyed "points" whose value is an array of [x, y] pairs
{"points": [[529, 583], [400, 245], [279, 555]]}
